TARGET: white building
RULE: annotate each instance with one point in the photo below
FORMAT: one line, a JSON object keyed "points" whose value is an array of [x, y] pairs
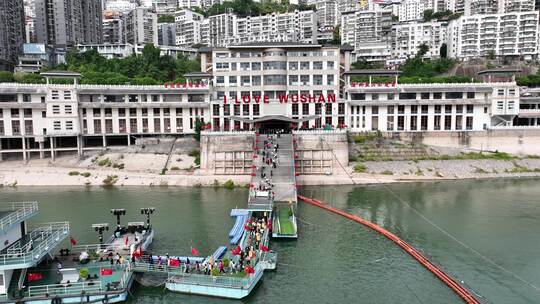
{"points": [[366, 29], [165, 6], [120, 6], [297, 26], [407, 38], [190, 24], [189, 4], [477, 7], [141, 27], [109, 51], [167, 34], [413, 10], [512, 34]]}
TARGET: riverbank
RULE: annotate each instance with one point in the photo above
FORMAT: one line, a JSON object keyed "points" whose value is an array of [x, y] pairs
{"points": [[66, 172]]}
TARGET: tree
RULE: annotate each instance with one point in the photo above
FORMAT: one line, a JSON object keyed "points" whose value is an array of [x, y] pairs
{"points": [[428, 15], [336, 36], [443, 51], [422, 50], [491, 55], [6, 76], [166, 19], [198, 128]]}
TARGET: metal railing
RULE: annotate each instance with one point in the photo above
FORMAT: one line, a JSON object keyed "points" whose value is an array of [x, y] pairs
{"points": [[20, 211], [221, 281], [42, 240], [64, 289]]}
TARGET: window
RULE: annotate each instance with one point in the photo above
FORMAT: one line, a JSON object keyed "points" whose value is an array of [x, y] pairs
{"points": [[97, 126], [341, 109], [27, 113], [245, 110], [423, 123], [295, 109], [220, 80], [470, 95], [157, 125], [358, 96], [68, 109], [459, 122], [255, 66], [304, 79], [424, 109], [470, 109], [256, 111], [133, 98], [317, 65], [328, 109], [132, 112], [424, 95], [500, 92], [56, 125], [245, 80], [55, 109], [155, 98], [414, 123], [437, 95], [448, 109], [16, 127], [329, 79], [305, 109], [391, 97], [512, 92], [293, 65], [447, 122], [500, 105], [390, 123], [304, 65], [255, 80], [401, 109], [375, 110], [317, 79], [407, 96], [67, 95], [459, 108], [330, 65], [122, 112], [69, 125], [437, 122], [511, 105], [55, 95], [454, 95], [318, 108], [232, 80], [414, 109], [27, 98], [469, 123]]}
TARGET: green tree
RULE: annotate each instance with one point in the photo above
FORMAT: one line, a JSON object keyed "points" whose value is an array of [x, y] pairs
{"points": [[443, 51], [422, 50], [336, 36], [198, 128], [28, 78], [6, 76], [428, 15], [491, 55], [166, 19]]}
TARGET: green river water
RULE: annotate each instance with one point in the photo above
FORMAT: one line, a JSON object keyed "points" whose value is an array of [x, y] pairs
{"points": [[335, 260]]}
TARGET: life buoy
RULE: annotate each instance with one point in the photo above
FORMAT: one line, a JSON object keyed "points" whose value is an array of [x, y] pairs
{"points": [[56, 300]]}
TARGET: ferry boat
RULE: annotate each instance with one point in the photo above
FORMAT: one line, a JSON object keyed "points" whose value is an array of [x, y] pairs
{"points": [[31, 273]]}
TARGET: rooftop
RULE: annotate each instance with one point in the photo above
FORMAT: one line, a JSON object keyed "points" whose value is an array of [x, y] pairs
{"points": [[55, 73], [499, 71], [373, 72]]}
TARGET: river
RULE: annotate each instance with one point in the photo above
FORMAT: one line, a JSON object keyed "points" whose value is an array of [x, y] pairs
{"points": [[487, 236]]}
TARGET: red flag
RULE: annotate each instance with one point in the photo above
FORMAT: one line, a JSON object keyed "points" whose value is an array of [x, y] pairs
{"points": [[72, 241], [174, 263], [249, 270], [105, 271], [127, 240], [138, 252], [263, 248], [236, 251], [194, 251], [34, 276]]}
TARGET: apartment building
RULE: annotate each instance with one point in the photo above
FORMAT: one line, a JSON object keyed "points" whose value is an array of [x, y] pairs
{"points": [[190, 24], [141, 27], [511, 34], [407, 39], [12, 32], [114, 31], [66, 23], [413, 10], [167, 34]]}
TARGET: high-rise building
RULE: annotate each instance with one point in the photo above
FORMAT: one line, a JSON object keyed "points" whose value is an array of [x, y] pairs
{"points": [[189, 3], [512, 34], [68, 22], [114, 31], [165, 6], [190, 24], [476, 7], [412, 10], [408, 37], [12, 31], [141, 27], [167, 34]]}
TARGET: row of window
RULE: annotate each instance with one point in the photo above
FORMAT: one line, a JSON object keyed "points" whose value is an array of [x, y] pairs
{"points": [[416, 122], [272, 94], [136, 126], [414, 96], [16, 127], [277, 80], [107, 112], [275, 53], [143, 98]]}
